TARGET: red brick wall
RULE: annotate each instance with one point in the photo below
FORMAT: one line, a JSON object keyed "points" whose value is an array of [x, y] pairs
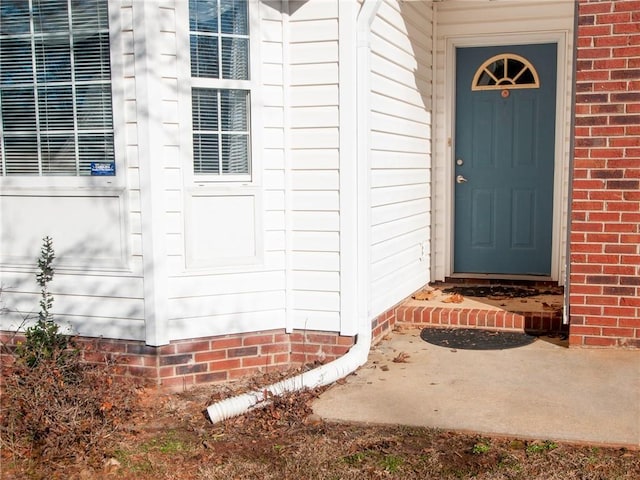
{"points": [[198, 361], [605, 232]]}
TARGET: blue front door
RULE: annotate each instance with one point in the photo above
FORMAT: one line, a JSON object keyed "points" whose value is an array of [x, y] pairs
{"points": [[504, 159]]}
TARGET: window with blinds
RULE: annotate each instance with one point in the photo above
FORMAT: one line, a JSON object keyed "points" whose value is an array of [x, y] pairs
{"points": [[55, 87], [219, 39]]}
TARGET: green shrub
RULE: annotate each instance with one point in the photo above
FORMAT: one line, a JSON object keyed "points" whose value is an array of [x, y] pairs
{"points": [[43, 341]]}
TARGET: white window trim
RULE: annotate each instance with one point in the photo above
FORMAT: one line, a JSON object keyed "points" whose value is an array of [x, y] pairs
{"points": [[254, 177], [117, 181]]}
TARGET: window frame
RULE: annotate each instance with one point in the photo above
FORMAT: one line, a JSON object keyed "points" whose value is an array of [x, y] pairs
{"points": [[116, 82], [253, 176]]}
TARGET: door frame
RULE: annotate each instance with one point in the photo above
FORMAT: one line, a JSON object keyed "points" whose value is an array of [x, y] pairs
{"points": [[445, 202]]}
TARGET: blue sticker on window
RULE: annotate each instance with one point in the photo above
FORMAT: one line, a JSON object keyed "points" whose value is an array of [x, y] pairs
{"points": [[103, 168]]}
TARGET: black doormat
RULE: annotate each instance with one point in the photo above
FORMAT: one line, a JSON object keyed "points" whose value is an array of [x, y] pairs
{"points": [[475, 339], [506, 291]]}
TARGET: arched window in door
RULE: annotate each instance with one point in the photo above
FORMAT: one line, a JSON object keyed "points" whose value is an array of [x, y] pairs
{"points": [[505, 71]]}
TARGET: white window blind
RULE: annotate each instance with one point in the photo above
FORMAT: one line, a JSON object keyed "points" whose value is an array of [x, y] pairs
{"points": [[219, 38], [55, 87]]}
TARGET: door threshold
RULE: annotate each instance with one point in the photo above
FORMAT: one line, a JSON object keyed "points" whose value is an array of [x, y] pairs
{"points": [[498, 277]]}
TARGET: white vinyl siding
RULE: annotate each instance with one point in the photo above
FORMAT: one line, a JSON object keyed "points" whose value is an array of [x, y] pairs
{"points": [[314, 178], [400, 144], [476, 23]]}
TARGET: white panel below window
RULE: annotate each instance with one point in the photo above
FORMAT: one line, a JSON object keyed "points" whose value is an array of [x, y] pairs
{"points": [[222, 230], [87, 231]]}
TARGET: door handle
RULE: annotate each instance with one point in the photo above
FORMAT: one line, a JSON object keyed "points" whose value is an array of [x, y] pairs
{"points": [[460, 179]]}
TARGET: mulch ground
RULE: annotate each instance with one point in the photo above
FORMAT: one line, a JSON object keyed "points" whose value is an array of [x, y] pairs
{"points": [[170, 437]]}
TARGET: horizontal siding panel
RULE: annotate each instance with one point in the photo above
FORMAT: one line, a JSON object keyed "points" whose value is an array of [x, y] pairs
{"points": [[315, 280], [274, 199], [270, 12], [505, 12], [274, 220], [271, 31], [315, 159], [315, 180], [271, 74], [399, 285], [395, 211], [313, 31], [316, 74], [314, 95], [391, 106], [309, 117], [105, 327], [272, 95], [273, 137], [385, 67], [399, 160], [396, 194], [82, 306], [194, 307], [274, 260], [321, 52], [274, 179], [304, 10], [318, 261], [402, 93], [384, 250], [390, 264], [273, 159], [213, 325], [399, 143], [224, 284], [70, 284], [317, 301], [316, 221], [118, 328], [273, 117], [274, 240], [386, 231], [315, 138], [316, 241], [400, 126], [390, 26], [417, 15], [319, 321], [316, 200], [391, 177], [404, 58], [271, 52]]}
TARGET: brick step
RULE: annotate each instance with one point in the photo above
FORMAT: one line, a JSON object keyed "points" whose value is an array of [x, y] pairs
{"points": [[538, 323]]}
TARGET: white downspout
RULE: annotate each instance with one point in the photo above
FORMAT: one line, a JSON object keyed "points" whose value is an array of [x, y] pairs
{"points": [[358, 354]]}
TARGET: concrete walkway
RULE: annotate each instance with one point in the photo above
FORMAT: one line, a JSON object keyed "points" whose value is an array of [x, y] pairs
{"points": [[543, 391]]}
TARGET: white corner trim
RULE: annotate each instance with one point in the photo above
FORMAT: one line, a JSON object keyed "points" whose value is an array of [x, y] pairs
{"points": [[145, 17], [348, 168]]}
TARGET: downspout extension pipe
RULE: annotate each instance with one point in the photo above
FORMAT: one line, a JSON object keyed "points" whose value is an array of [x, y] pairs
{"points": [[359, 352], [318, 377]]}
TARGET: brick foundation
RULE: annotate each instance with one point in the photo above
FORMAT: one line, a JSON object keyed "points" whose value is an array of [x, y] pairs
{"points": [[186, 363], [605, 219]]}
